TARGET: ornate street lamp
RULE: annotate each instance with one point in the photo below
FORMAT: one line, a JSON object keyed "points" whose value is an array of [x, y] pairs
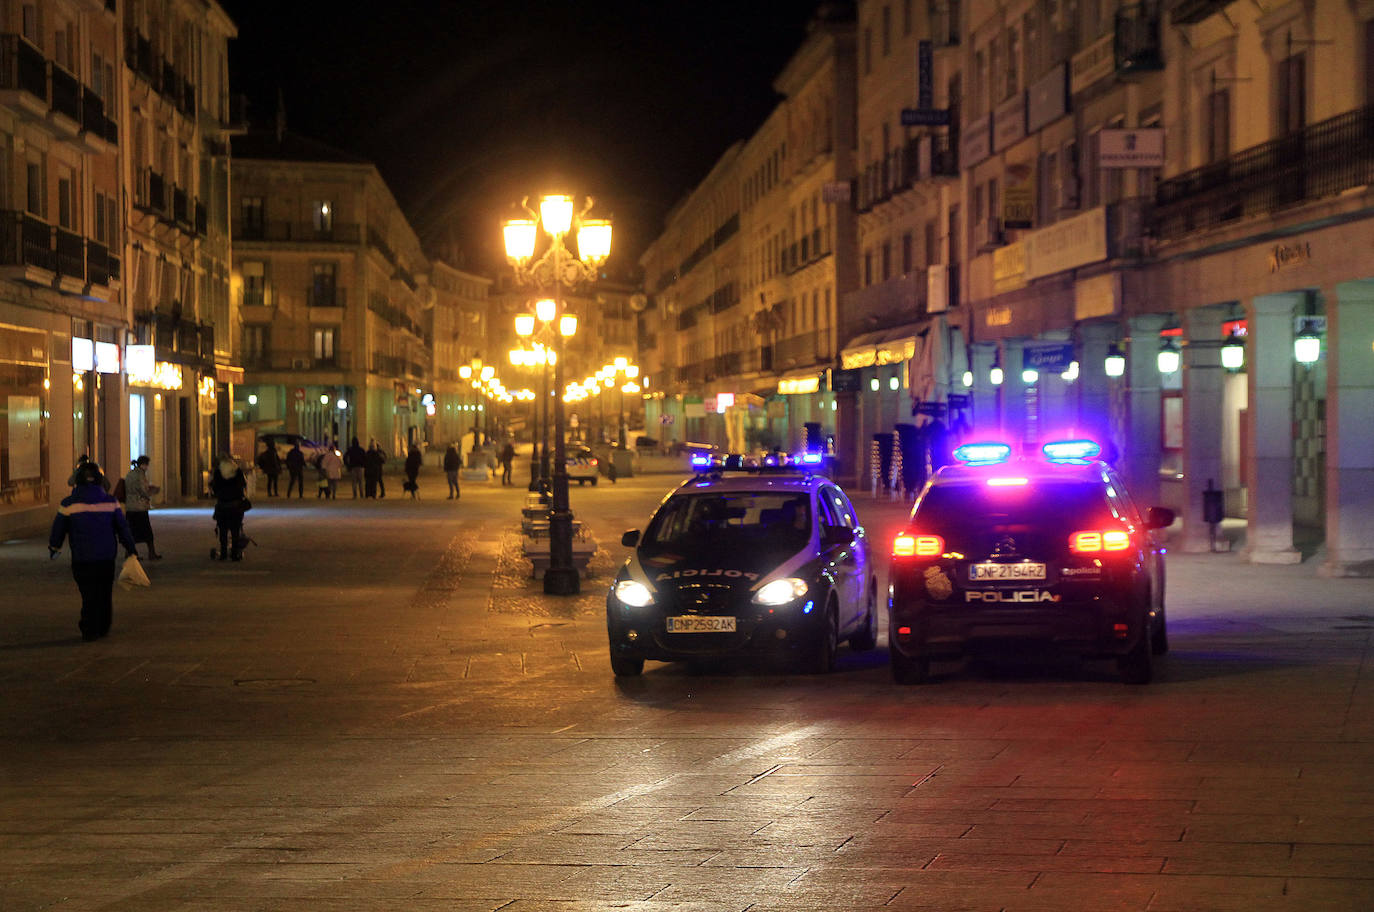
{"points": [[555, 268]]}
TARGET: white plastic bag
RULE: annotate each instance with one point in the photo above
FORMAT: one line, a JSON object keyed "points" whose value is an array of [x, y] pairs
{"points": [[133, 574]]}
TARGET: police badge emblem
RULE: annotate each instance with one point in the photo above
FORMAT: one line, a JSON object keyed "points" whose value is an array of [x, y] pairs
{"points": [[937, 584]]}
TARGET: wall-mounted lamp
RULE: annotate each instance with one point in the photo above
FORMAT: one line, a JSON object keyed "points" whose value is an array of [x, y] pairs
{"points": [[967, 379], [1030, 376], [1169, 357], [893, 383], [1115, 363], [1070, 374], [1307, 345], [873, 384], [1233, 352]]}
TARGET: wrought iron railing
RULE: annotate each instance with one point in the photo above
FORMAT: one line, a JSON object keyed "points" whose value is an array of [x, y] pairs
{"points": [[66, 93], [71, 254], [23, 67], [1320, 160], [339, 233]]}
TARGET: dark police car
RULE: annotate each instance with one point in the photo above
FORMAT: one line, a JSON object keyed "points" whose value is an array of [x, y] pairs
{"points": [[1047, 549], [745, 559]]}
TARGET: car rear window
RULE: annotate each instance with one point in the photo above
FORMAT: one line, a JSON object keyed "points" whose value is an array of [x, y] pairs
{"points": [[954, 511], [732, 519]]}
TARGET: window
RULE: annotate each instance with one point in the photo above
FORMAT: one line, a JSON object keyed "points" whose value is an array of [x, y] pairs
{"points": [[255, 338], [37, 201], [1292, 89], [66, 199], [322, 285], [906, 253], [31, 30], [932, 251], [323, 350], [111, 222], [887, 260], [251, 214], [254, 283], [1217, 130], [868, 267], [322, 216], [100, 217]]}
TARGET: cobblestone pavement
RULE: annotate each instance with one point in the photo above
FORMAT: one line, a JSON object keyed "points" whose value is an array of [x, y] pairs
{"points": [[379, 709]]}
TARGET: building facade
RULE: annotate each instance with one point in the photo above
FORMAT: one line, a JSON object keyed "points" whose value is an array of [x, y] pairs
{"points": [[84, 87], [334, 294]]}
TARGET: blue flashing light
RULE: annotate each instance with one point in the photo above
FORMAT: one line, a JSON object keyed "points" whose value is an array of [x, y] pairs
{"points": [[770, 460], [811, 459], [1075, 450], [806, 609], [700, 462], [983, 453]]}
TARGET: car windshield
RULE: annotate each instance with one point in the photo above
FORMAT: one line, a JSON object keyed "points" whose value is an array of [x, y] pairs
{"points": [[956, 511], [732, 521]]}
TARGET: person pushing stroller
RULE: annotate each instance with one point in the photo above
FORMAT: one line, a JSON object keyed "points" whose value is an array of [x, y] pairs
{"points": [[231, 502]]}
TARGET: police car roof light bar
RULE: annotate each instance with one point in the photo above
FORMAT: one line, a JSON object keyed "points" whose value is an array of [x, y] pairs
{"points": [[810, 459], [701, 462], [977, 454], [1075, 450]]}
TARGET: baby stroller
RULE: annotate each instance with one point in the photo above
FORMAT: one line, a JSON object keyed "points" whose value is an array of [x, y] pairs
{"points": [[230, 533], [413, 488]]}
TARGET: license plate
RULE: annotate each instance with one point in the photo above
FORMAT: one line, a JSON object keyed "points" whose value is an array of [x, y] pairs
{"points": [[694, 624], [992, 571]]}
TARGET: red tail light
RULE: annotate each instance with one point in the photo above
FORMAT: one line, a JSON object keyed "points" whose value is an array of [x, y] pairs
{"points": [[1097, 541], [909, 544]]}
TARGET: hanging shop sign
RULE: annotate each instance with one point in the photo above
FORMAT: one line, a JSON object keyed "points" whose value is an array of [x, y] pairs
{"points": [[1018, 197], [205, 395], [143, 369], [1050, 358], [1009, 267], [83, 354], [799, 386], [1131, 148], [106, 358], [723, 402], [1067, 244], [977, 142], [846, 381], [1287, 256], [1047, 99], [1009, 122]]}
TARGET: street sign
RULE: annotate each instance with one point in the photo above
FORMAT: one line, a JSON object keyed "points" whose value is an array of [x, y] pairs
{"points": [[300, 394], [925, 117]]}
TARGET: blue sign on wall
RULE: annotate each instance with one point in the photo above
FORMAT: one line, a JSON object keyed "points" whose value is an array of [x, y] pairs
{"points": [[1052, 358]]}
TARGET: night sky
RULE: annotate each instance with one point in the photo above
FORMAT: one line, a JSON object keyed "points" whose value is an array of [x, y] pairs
{"points": [[467, 106]]}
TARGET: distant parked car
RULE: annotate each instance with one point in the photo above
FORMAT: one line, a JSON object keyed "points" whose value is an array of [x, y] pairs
{"points": [[284, 443]]}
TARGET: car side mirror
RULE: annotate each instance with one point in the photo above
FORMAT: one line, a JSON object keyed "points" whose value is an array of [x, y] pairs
{"points": [[1159, 518], [832, 536], [630, 539]]}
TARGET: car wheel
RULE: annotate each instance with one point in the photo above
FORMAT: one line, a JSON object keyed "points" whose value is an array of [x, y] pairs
{"points": [[1159, 642], [867, 636], [626, 667], [908, 669], [820, 656], [1137, 666]]}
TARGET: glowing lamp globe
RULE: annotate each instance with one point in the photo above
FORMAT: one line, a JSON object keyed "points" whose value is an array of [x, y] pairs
{"points": [[555, 213], [520, 237]]}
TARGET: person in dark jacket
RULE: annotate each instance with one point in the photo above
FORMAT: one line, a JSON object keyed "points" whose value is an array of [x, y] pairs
{"points": [[355, 461], [295, 468], [96, 526], [373, 464], [507, 457], [231, 501], [452, 463], [413, 460], [270, 463], [81, 462]]}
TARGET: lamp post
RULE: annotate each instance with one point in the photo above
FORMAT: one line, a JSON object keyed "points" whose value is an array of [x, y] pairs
{"points": [[555, 268], [539, 355]]}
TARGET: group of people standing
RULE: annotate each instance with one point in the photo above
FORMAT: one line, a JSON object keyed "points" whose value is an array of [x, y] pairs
{"points": [[364, 468]]}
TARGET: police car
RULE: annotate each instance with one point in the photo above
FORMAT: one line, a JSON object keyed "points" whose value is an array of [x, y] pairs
{"points": [[1045, 549], [582, 464], [745, 559]]}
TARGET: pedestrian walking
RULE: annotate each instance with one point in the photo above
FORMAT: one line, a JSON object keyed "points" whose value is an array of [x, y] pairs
{"points": [[452, 464], [373, 464], [507, 457], [331, 465], [138, 500], [82, 461], [355, 460], [413, 460], [91, 519], [270, 464], [231, 501], [295, 470]]}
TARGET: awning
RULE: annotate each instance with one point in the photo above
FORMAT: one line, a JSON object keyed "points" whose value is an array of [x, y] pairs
{"points": [[799, 383], [884, 346], [225, 373]]}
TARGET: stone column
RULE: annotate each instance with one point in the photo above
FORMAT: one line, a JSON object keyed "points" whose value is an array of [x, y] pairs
{"points": [[1013, 392], [1349, 431], [1269, 443], [1203, 383], [1141, 458], [1094, 386], [986, 419]]}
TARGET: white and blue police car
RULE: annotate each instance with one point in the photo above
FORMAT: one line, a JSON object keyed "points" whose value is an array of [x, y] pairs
{"points": [[1046, 550], [750, 557]]}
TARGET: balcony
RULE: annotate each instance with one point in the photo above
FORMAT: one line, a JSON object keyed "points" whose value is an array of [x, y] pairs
{"points": [[97, 263], [202, 220], [898, 300], [300, 233], [1316, 162], [193, 342], [186, 102], [95, 130], [324, 295], [71, 255], [727, 365], [1127, 223], [1137, 41], [23, 76], [27, 242], [803, 350], [66, 101], [388, 365], [170, 86], [156, 200], [938, 157], [139, 51]]}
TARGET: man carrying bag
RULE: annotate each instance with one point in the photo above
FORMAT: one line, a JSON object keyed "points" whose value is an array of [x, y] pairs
{"points": [[96, 526]]}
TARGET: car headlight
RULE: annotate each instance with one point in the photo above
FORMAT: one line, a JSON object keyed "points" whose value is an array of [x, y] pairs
{"points": [[633, 593], [780, 591]]}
